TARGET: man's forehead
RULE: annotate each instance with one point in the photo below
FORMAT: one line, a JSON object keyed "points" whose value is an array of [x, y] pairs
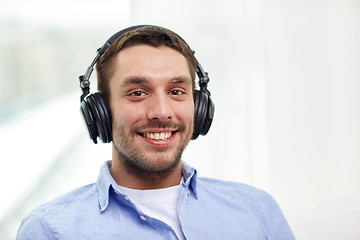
{"points": [[142, 64]]}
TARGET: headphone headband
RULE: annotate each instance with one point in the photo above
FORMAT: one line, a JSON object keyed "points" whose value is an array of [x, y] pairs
{"points": [[84, 79]]}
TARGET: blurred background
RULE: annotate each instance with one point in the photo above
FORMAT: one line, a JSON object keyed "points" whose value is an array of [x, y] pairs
{"points": [[285, 79]]}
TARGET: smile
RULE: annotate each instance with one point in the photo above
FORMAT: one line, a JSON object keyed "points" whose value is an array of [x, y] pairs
{"points": [[158, 136]]}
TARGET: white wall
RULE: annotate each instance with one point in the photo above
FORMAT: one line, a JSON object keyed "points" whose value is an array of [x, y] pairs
{"points": [[313, 58]]}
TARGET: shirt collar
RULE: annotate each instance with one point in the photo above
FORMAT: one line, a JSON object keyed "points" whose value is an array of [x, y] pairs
{"points": [[190, 175], [103, 185], [105, 181]]}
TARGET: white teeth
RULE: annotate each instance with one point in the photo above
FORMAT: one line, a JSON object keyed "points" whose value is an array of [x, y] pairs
{"points": [[158, 136]]}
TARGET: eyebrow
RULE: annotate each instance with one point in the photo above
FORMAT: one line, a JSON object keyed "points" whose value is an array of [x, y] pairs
{"points": [[180, 79], [133, 80], [141, 80]]}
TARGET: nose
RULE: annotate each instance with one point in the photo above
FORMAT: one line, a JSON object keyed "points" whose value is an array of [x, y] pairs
{"points": [[159, 107]]}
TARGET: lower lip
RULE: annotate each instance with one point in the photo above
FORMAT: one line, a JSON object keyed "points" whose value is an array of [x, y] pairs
{"points": [[160, 143]]}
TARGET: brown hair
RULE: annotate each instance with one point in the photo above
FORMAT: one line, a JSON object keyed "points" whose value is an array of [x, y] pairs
{"points": [[151, 35]]}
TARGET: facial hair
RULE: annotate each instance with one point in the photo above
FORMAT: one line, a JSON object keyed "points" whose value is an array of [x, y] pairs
{"points": [[140, 163]]}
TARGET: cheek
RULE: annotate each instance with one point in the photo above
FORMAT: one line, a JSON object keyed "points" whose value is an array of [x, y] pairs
{"points": [[125, 116], [186, 112]]}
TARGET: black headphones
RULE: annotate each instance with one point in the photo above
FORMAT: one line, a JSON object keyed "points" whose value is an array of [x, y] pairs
{"points": [[96, 111]]}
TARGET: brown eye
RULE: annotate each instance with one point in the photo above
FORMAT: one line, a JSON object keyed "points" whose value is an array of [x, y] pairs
{"points": [[137, 94], [176, 92]]}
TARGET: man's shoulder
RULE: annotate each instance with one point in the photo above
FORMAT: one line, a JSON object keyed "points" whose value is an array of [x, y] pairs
{"points": [[253, 207], [77, 198], [239, 196], [61, 212], [234, 191], [224, 185]]}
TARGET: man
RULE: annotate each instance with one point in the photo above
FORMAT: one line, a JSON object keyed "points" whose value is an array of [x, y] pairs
{"points": [[146, 76]]}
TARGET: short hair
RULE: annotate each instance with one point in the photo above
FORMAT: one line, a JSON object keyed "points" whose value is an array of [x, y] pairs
{"points": [[150, 35]]}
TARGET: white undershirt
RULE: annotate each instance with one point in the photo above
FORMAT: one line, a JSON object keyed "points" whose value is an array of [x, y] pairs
{"points": [[158, 203]]}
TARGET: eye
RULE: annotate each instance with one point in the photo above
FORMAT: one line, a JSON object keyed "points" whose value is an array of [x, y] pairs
{"points": [[137, 94], [176, 92]]}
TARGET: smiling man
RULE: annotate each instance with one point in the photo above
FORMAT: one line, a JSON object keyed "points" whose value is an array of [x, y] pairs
{"points": [[152, 107], [149, 109]]}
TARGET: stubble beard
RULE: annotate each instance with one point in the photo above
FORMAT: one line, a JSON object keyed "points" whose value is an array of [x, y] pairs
{"points": [[140, 164]]}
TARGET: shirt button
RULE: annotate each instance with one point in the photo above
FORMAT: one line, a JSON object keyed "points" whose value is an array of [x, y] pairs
{"points": [[188, 192], [143, 218]]}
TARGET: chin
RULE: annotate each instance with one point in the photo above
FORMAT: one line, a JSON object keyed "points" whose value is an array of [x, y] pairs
{"points": [[160, 164]]}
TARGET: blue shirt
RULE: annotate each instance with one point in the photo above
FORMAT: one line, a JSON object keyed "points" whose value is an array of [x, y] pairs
{"points": [[207, 209]]}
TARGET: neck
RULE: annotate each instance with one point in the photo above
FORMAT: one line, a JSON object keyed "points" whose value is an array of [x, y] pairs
{"points": [[129, 176]]}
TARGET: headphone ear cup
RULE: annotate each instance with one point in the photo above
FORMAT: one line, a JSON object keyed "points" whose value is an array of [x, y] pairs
{"points": [[105, 116], [203, 113], [209, 115], [200, 106], [97, 117], [89, 120], [196, 110]]}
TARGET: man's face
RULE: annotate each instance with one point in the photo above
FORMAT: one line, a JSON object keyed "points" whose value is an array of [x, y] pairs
{"points": [[151, 102]]}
